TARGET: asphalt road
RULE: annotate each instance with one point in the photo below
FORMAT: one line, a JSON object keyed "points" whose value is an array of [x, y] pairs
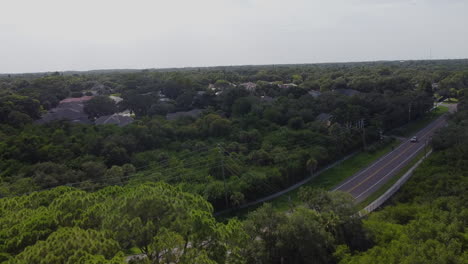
{"points": [[370, 179]]}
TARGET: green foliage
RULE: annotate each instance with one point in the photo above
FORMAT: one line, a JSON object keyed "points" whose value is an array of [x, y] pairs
{"points": [[71, 226], [269, 139], [426, 221], [305, 235], [72, 245], [100, 106], [18, 110], [267, 128]]}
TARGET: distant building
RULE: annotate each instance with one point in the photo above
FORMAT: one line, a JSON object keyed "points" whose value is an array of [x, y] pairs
{"points": [[287, 85], [70, 109], [76, 100], [195, 113], [211, 87], [314, 93], [249, 86], [324, 118], [126, 113], [116, 99], [115, 119], [165, 99], [214, 87], [101, 89]]}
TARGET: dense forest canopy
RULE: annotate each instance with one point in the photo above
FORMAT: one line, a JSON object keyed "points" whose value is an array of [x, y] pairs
{"points": [[264, 122], [207, 139]]}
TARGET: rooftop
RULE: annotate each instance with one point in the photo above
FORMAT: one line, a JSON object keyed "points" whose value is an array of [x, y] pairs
{"points": [[76, 100], [115, 119]]}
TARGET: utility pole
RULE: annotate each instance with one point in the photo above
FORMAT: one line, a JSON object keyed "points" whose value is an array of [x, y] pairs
{"points": [[409, 112], [363, 133], [426, 142], [224, 176]]}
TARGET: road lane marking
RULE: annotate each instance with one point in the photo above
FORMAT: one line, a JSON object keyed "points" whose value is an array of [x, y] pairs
{"points": [[373, 165], [381, 168], [429, 127], [388, 163], [412, 155]]}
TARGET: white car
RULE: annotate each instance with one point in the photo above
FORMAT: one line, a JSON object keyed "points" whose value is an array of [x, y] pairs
{"points": [[414, 139]]}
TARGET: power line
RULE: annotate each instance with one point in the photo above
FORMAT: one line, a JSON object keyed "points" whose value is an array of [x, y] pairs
{"points": [[99, 180]]}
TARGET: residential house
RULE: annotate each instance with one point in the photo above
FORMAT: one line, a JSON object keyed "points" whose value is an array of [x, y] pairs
{"points": [[214, 87], [115, 119], [101, 89], [116, 99], [287, 85], [249, 86], [76, 99], [324, 118], [314, 93], [70, 109]]}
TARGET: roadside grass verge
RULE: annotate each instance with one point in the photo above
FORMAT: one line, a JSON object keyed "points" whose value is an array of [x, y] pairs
{"points": [[326, 180], [333, 176], [390, 183], [416, 125], [346, 169]]}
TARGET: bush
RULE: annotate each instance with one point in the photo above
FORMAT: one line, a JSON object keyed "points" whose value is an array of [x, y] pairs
{"points": [[76, 94]]}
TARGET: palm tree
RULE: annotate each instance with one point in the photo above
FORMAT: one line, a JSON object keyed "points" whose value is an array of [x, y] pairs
{"points": [[311, 165]]}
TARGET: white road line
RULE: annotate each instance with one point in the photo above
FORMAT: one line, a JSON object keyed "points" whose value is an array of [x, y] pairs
{"points": [[363, 171], [429, 127], [411, 155], [397, 167]]}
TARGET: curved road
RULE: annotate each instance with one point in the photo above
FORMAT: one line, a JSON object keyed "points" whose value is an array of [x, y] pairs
{"points": [[370, 179]]}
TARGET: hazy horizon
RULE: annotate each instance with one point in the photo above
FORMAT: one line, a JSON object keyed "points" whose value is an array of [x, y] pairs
{"points": [[234, 65], [51, 35]]}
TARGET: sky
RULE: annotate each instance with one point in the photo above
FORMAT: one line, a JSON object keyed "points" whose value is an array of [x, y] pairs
{"points": [[59, 35]]}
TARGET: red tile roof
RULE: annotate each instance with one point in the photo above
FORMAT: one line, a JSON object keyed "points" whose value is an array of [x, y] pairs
{"points": [[75, 100]]}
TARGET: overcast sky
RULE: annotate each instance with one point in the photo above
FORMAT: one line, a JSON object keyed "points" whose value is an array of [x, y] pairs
{"points": [[50, 35]]}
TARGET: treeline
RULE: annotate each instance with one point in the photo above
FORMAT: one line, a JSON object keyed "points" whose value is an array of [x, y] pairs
{"points": [[426, 222], [264, 139]]}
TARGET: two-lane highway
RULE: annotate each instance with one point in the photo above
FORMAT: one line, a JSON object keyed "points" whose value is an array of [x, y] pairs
{"points": [[369, 180]]}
